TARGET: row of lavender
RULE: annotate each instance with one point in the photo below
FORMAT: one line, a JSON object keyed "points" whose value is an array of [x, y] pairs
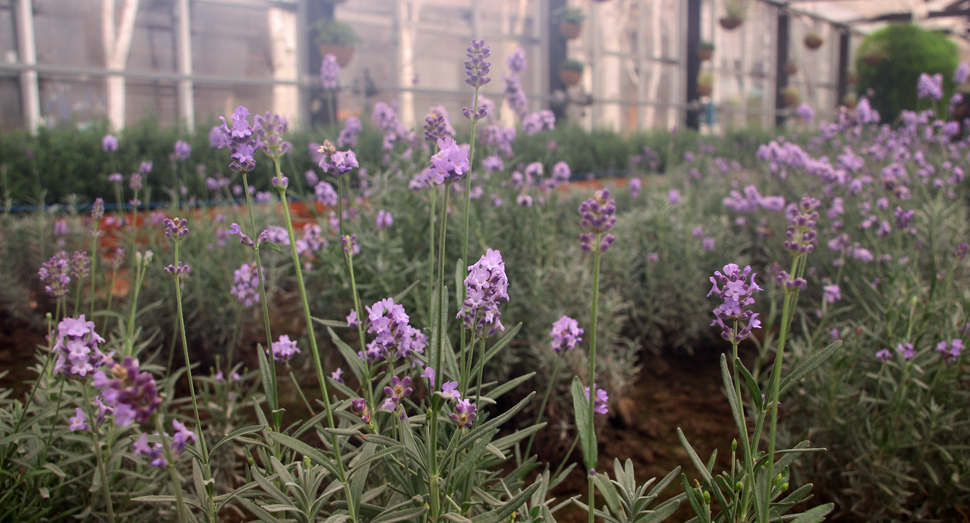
{"points": [[403, 423]]}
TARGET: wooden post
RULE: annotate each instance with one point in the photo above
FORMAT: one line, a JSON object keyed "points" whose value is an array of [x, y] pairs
{"points": [[781, 76]]}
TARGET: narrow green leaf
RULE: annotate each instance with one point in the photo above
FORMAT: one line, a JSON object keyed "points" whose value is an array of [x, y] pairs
{"points": [[807, 366], [694, 458], [400, 296], [508, 385], [271, 245], [266, 375], [315, 455], [411, 514], [350, 356], [587, 438], [814, 515], [242, 431], [359, 475], [508, 508]]}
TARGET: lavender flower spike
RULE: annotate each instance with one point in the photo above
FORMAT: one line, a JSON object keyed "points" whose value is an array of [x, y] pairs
{"points": [[565, 335], [598, 218], [329, 72], [76, 347], [476, 68], [737, 294], [485, 286]]}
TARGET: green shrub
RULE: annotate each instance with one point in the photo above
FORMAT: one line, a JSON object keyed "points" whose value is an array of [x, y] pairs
{"points": [[907, 51]]}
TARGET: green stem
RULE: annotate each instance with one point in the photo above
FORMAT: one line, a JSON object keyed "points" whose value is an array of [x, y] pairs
{"points": [[434, 200], [545, 400], [271, 395], [94, 266], [111, 295], [97, 453], [565, 460], [590, 464], [481, 370], [139, 275], [313, 343], [360, 329], [299, 391], [786, 314], [438, 353], [77, 300]]}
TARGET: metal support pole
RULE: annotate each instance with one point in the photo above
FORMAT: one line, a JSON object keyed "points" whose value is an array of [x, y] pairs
{"points": [[303, 65], [843, 65], [692, 60], [27, 51], [781, 58], [186, 99], [641, 64]]}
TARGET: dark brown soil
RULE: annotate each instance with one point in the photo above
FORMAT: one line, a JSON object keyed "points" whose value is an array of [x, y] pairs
{"points": [[671, 393]]}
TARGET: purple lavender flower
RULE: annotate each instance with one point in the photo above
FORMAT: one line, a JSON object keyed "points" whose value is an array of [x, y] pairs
{"points": [[907, 350], [78, 420], [326, 194], [832, 293], [176, 229], [76, 347], [246, 284], [178, 270], [335, 375], [60, 228], [561, 173], [544, 120], [598, 218], [340, 162], [145, 167], [960, 252], [450, 163], [130, 392], [801, 228], [961, 73], [349, 243], [434, 127], [515, 95], [464, 414], [708, 244], [737, 294], [600, 404], [359, 407], [516, 61], [806, 113], [950, 351], [653, 257], [523, 200], [182, 150], [394, 336], [352, 319], [269, 129], [397, 391], [565, 335], [242, 142], [97, 210], [384, 219], [284, 349], [884, 355], [485, 287], [476, 68], [329, 72], [135, 182], [218, 138], [155, 453], [493, 163], [348, 135], [930, 86], [109, 143], [635, 186], [116, 178], [54, 273], [80, 265]]}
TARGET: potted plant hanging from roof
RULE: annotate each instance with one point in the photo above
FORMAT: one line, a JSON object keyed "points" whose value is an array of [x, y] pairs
{"points": [[813, 40], [571, 71], [705, 51], [850, 100], [734, 11], [570, 21], [791, 95], [705, 83], [791, 67], [336, 38], [851, 78]]}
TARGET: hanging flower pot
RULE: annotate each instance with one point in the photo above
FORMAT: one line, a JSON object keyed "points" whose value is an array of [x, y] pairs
{"points": [[813, 41], [336, 38], [705, 51], [571, 72], [791, 96], [570, 21], [731, 23], [343, 54], [791, 68], [851, 78], [570, 30], [850, 100], [705, 84]]}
